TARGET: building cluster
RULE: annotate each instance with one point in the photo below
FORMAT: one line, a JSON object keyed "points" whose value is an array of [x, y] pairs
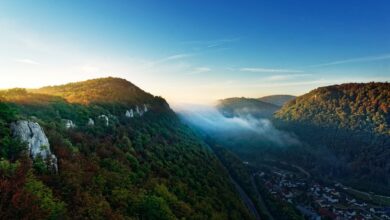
{"points": [[318, 201]]}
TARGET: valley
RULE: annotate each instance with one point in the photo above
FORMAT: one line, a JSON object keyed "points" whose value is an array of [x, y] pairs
{"points": [[194, 110], [308, 176], [138, 147]]}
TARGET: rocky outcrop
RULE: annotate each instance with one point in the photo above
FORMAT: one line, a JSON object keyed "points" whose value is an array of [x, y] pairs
{"points": [[139, 111], [35, 137], [69, 124], [105, 119], [130, 113], [91, 122]]}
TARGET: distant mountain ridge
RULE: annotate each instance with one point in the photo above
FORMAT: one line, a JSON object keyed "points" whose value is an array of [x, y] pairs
{"points": [[263, 107], [232, 107], [278, 100]]}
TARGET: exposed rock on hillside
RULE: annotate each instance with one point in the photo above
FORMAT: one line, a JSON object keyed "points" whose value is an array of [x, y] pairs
{"points": [[91, 122], [105, 168], [38, 144], [139, 111], [69, 124], [130, 113], [105, 119]]}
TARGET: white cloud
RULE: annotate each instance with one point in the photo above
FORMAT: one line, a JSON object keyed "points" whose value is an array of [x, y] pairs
{"points": [[355, 60], [202, 69], [219, 44], [210, 43], [199, 70], [27, 61], [173, 57], [287, 77], [268, 70]]}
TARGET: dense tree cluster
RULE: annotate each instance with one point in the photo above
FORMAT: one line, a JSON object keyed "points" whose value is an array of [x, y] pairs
{"points": [[149, 167], [354, 106]]}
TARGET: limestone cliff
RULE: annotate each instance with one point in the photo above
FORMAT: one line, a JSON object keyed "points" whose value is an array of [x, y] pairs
{"points": [[35, 137]]}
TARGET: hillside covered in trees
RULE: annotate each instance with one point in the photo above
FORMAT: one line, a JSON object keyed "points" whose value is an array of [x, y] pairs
{"points": [[278, 100], [237, 107], [103, 90], [263, 107], [343, 130], [348, 125], [138, 164]]}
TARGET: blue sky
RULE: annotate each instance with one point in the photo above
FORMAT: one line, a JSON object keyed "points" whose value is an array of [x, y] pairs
{"points": [[196, 51]]}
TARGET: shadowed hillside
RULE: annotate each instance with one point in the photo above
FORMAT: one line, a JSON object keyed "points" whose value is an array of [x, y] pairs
{"points": [[349, 121]]}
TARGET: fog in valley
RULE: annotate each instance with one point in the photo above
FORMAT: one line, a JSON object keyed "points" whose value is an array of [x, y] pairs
{"points": [[242, 128]]}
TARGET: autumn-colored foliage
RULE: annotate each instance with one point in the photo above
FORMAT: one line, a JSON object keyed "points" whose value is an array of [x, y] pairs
{"points": [[149, 167]]}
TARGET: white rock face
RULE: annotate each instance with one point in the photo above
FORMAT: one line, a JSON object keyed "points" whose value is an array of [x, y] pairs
{"points": [[69, 124], [141, 110], [105, 118], [130, 113], [91, 122], [38, 144], [138, 110], [54, 162]]}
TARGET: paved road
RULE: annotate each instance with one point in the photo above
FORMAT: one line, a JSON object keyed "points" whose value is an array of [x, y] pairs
{"points": [[247, 201], [262, 204]]}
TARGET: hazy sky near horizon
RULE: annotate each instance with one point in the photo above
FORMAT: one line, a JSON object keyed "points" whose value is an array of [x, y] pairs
{"points": [[196, 51]]}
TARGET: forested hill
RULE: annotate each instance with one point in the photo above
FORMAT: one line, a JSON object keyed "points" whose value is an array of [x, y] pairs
{"points": [[122, 154], [278, 100], [246, 106], [353, 106], [352, 122], [103, 90]]}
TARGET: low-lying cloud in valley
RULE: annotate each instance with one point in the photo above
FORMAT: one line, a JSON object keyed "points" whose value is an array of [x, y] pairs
{"points": [[214, 123]]}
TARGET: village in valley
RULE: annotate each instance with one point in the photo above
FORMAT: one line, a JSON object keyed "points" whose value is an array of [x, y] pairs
{"points": [[317, 200]]}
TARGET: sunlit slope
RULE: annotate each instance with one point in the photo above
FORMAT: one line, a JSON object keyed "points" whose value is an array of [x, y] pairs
{"points": [[357, 107], [102, 90], [149, 166]]}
